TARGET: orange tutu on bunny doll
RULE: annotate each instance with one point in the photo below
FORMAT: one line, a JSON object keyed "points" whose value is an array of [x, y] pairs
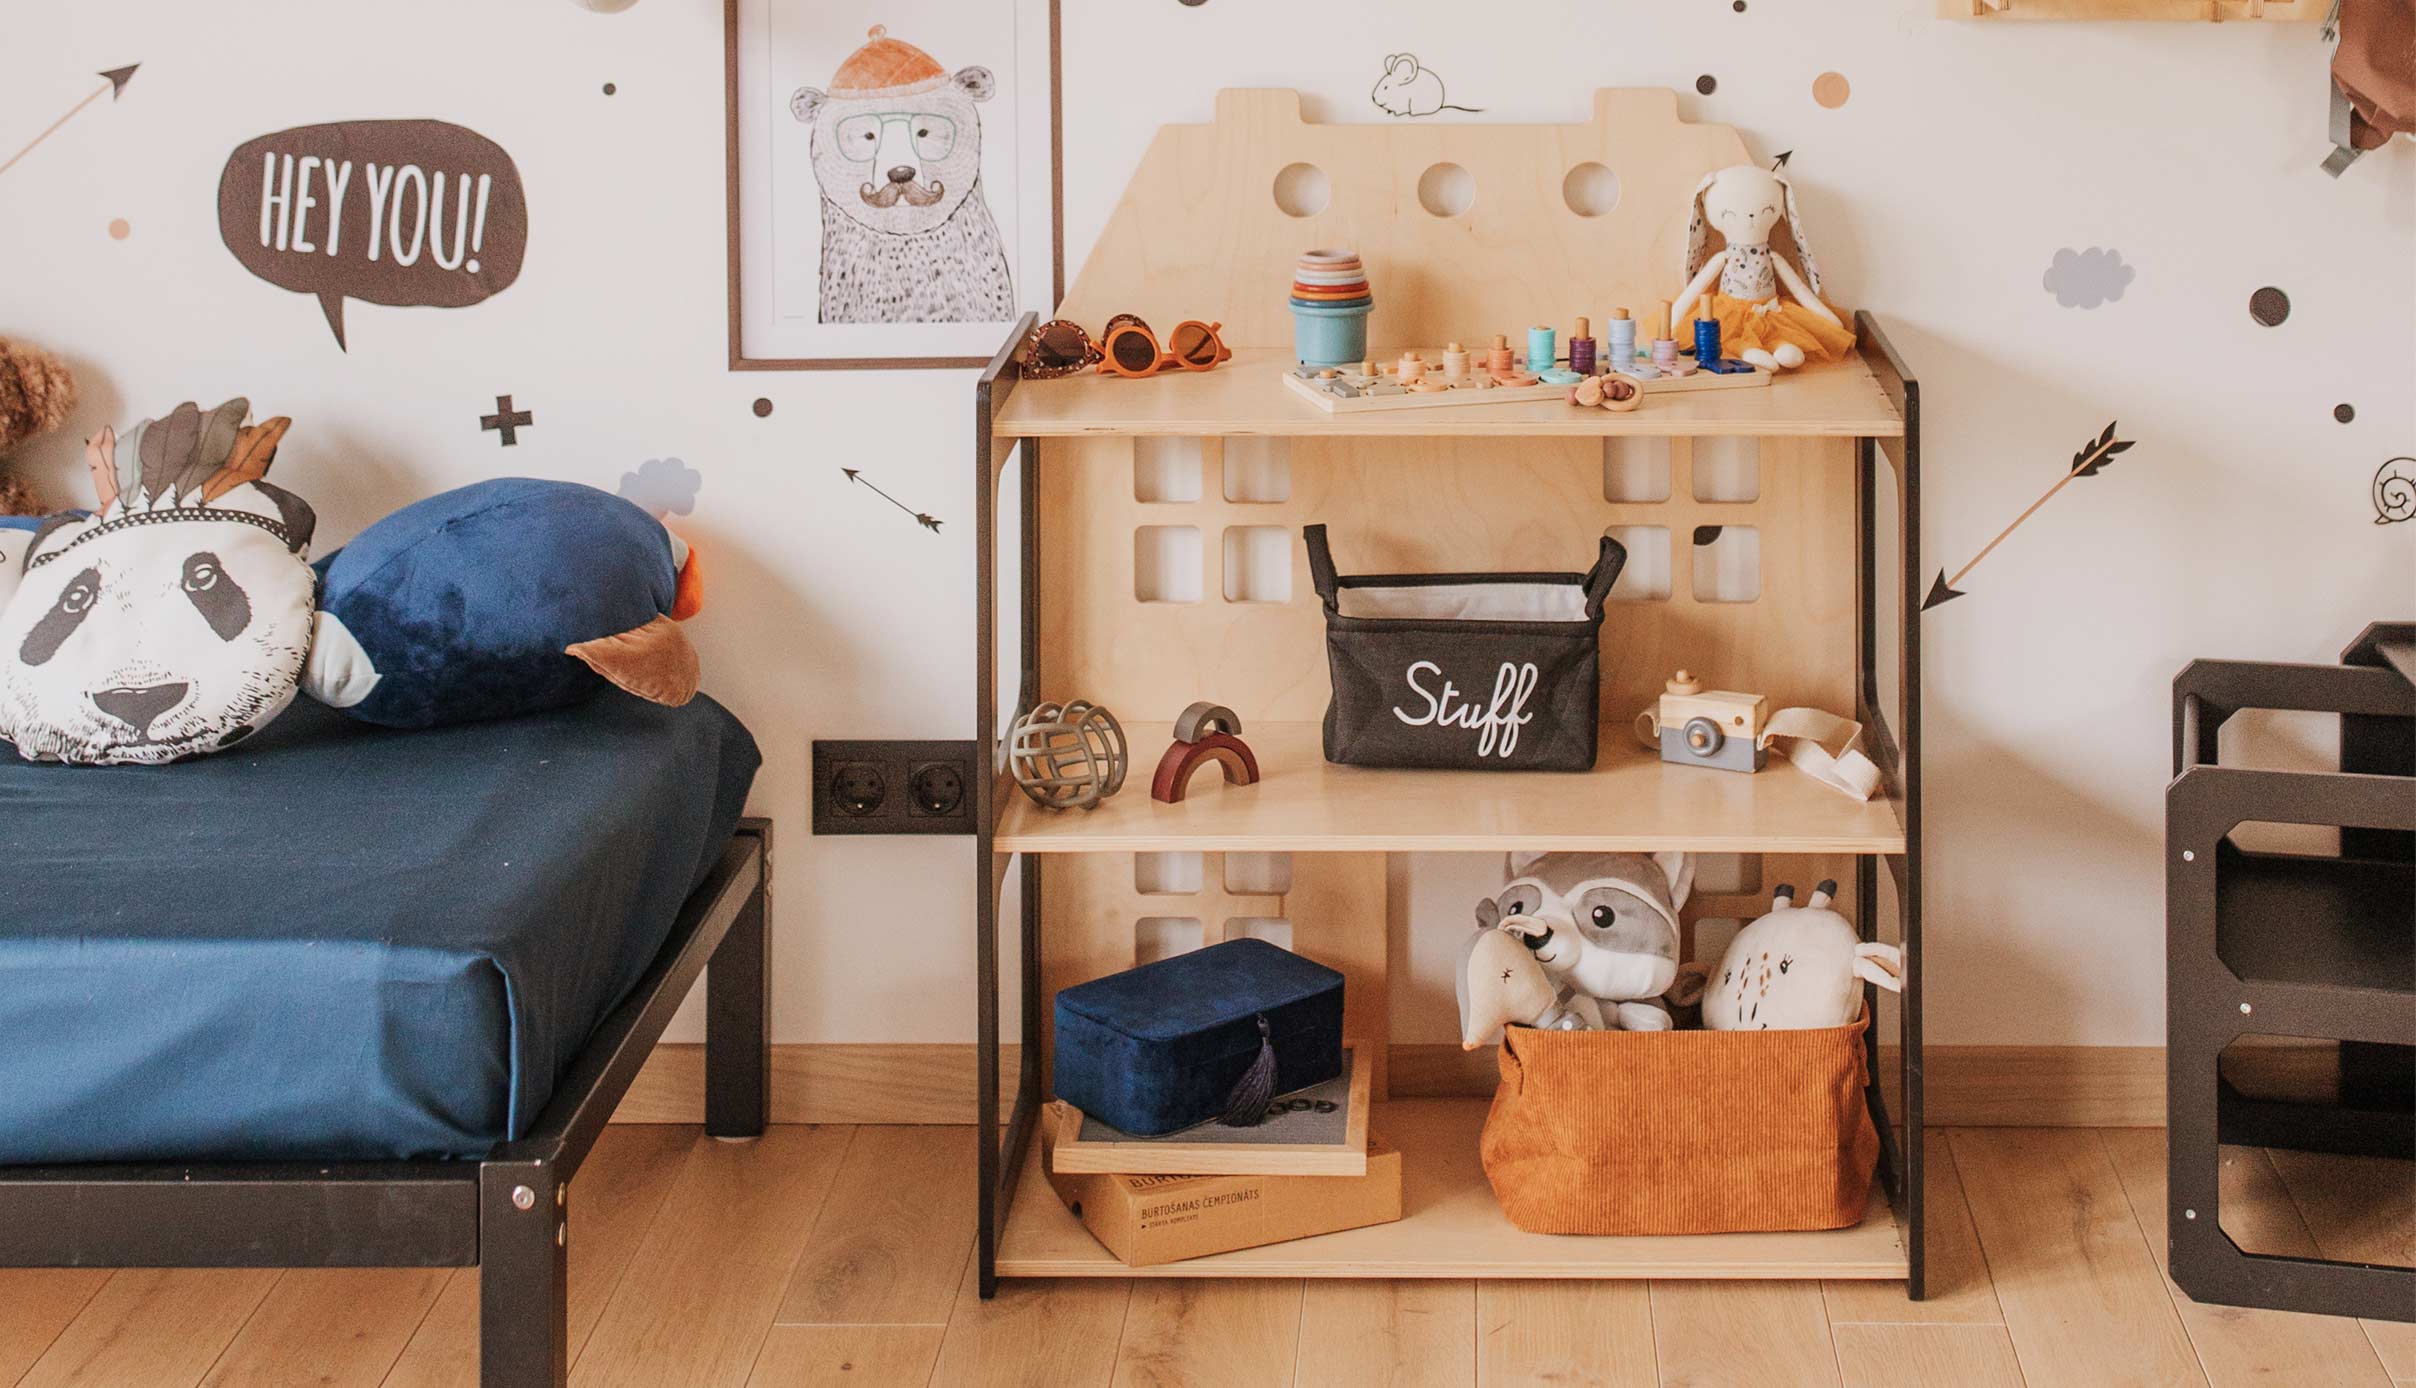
{"points": [[1768, 313]]}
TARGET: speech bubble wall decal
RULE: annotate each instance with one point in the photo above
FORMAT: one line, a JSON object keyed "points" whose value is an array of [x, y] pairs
{"points": [[395, 212]]}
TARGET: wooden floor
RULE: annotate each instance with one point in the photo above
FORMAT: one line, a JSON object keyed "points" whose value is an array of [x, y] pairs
{"points": [[823, 1256]]}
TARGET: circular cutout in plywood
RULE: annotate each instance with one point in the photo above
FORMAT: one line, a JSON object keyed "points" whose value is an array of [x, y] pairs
{"points": [[1447, 190], [1302, 190], [1590, 189], [2269, 306], [1831, 89]]}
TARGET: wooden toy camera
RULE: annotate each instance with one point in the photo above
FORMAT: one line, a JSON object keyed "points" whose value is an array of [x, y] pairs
{"points": [[1698, 727]]}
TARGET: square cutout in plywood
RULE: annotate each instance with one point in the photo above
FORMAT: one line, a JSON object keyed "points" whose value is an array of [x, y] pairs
{"points": [[1258, 470], [1167, 874], [1273, 929], [1645, 576], [1258, 874], [1258, 563], [1727, 467], [1166, 469], [1635, 469], [1727, 563], [1727, 874], [1168, 563], [1164, 937], [1712, 937]]}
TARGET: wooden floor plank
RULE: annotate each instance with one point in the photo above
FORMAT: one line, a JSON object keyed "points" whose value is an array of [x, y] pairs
{"points": [[700, 1291], [1926, 1356], [152, 1328], [616, 1195], [1062, 1334], [329, 1328], [2360, 1209], [846, 1356], [1236, 1333], [1742, 1335], [1959, 1291], [2238, 1344], [1402, 1334], [891, 1245], [35, 1305], [1565, 1335], [2081, 1293]]}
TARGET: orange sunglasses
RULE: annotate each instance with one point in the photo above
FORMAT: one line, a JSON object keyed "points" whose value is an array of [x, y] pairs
{"points": [[1132, 350]]}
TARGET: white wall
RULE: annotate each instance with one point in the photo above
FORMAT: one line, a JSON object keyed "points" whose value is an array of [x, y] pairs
{"points": [[1965, 157]]}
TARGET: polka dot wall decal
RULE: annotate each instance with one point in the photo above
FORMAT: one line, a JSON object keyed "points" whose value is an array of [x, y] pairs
{"points": [[2344, 412], [120, 229], [1707, 84], [763, 408], [611, 87], [1739, 6], [1831, 89], [2269, 306]]}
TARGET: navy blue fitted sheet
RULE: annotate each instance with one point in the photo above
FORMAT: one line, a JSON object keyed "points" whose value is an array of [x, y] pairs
{"points": [[340, 941]]}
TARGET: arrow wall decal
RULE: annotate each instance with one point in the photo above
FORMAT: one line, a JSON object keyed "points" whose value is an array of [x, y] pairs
{"points": [[116, 79], [921, 518], [2092, 459]]}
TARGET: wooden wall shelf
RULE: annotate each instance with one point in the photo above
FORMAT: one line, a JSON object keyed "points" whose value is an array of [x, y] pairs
{"points": [[2204, 11], [1143, 566], [1630, 802]]}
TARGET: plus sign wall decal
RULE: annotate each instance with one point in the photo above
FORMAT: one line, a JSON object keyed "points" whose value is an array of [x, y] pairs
{"points": [[507, 420]]}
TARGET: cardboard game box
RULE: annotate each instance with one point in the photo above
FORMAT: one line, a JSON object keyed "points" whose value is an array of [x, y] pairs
{"points": [[1150, 1219]]}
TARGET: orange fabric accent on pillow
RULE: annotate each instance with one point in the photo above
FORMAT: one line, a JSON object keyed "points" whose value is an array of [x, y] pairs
{"points": [[1681, 1132], [690, 599], [654, 662]]}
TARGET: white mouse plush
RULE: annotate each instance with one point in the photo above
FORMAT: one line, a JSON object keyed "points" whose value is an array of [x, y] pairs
{"points": [[1798, 967], [1746, 208]]}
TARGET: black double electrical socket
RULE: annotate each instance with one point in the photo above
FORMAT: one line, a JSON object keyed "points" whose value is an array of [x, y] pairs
{"points": [[878, 787]]}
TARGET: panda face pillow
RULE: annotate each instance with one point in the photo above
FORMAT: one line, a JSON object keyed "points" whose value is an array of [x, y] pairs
{"points": [[175, 619]]}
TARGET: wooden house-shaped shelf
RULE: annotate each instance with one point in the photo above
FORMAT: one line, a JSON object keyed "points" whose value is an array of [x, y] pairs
{"points": [[1086, 485]]}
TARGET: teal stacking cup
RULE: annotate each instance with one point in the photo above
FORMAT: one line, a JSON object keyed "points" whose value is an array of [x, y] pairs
{"points": [[1332, 334]]}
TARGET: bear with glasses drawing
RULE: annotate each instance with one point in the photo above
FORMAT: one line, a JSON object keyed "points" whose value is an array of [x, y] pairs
{"points": [[906, 235]]}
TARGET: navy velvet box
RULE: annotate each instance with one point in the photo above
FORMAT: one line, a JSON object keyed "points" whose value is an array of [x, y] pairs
{"points": [[1156, 1049]]}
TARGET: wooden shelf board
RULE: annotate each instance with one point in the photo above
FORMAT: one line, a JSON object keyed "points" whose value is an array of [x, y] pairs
{"points": [[1452, 1227], [1247, 396], [2199, 10], [1631, 801]]}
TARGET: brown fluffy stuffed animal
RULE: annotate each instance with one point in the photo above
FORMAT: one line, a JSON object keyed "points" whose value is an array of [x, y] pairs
{"points": [[36, 392]]}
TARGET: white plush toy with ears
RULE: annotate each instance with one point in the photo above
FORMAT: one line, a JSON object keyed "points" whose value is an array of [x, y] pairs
{"points": [[1746, 207], [1796, 968]]}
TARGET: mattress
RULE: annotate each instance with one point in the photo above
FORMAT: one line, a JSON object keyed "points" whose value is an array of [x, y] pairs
{"points": [[342, 942]]}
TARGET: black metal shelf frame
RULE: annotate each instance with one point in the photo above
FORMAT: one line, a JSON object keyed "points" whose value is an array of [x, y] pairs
{"points": [[1896, 750]]}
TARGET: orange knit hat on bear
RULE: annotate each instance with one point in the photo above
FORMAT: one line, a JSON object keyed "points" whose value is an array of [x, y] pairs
{"points": [[886, 67]]}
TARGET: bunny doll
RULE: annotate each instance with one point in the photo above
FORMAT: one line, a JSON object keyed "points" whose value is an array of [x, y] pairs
{"points": [[1799, 966], [1758, 323]]}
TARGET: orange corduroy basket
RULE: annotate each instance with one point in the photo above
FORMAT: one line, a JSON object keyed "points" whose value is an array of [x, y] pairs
{"points": [[1681, 1132]]}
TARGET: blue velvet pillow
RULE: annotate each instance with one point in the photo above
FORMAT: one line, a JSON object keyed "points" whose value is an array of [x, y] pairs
{"points": [[501, 598]]}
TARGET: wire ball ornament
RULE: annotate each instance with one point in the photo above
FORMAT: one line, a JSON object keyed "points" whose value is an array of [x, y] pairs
{"points": [[1068, 756]]}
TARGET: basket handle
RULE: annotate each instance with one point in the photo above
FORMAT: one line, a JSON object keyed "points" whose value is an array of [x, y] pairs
{"points": [[1321, 565], [1607, 564]]}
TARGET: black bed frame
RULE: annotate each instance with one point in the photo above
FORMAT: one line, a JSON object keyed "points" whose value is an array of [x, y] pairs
{"points": [[507, 1214]]}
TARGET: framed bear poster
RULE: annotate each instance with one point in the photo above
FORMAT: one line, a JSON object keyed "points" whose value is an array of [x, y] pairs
{"points": [[893, 179]]}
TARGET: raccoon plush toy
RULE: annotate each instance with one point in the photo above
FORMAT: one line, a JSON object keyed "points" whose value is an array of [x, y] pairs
{"points": [[175, 618]]}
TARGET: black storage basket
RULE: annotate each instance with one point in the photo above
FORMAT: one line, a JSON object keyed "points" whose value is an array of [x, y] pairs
{"points": [[1492, 672]]}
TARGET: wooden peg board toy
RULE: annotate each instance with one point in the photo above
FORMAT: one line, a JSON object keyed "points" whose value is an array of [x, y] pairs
{"points": [[1347, 392]]}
